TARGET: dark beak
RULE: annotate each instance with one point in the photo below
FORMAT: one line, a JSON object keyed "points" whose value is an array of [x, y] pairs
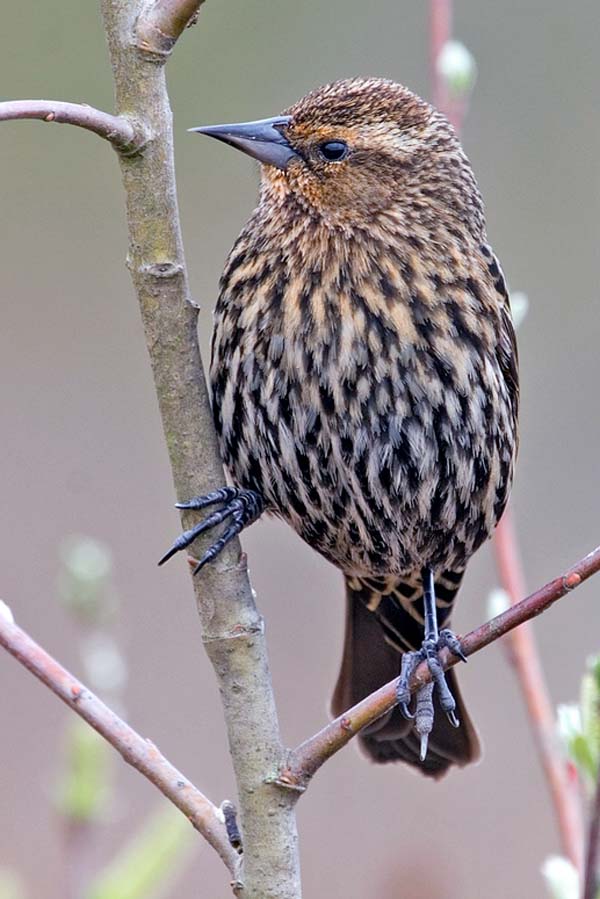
{"points": [[264, 140]]}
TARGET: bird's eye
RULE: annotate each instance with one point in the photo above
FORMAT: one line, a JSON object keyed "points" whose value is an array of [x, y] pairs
{"points": [[333, 150]]}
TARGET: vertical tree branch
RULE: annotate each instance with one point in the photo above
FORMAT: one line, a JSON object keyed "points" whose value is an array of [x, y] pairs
{"points": [[524, 656], [232, 628]]}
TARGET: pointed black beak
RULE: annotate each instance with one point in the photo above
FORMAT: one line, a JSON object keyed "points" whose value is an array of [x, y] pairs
{"points": [[264, 140]]}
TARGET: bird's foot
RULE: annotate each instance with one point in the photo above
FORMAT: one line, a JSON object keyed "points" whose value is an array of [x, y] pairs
{"points": [[424, 711], [239, 508]]}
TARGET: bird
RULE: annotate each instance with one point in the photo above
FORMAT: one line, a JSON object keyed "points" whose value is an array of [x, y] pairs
{"points": [[364, 378]]}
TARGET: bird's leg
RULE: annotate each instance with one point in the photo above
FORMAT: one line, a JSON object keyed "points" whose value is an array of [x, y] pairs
{"points": [[433, 642], [240, 507]]}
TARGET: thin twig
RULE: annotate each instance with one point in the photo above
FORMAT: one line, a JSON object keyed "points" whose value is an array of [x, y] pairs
{"points": [[137, 751], [525, 658], [118, 130], [307, 758], [590, 889], [162, 22]]}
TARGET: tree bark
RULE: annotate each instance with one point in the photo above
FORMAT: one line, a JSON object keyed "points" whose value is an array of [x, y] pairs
{"points": [[233, 630]]}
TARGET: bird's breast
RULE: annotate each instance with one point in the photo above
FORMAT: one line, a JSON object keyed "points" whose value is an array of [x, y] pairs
{"points": [[369, 410]]}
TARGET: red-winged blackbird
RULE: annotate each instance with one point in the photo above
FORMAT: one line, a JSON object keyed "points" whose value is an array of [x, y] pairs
{"points": [[364, 379]]}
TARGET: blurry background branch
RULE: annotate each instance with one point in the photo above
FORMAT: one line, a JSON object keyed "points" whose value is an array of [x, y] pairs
{"points": [[304, 761], [137, 751], [453, 74], [524, 656]]}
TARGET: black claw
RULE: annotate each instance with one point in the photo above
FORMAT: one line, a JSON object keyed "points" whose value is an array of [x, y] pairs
{"points": [[167, 555], [182, 542], [241, 506], [447, 638]]}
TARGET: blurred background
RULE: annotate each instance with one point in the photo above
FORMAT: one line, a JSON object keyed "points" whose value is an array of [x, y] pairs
{"points": [[83, 453]]}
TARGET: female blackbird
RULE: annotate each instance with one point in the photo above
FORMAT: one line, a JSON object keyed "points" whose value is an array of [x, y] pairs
{"points": [[364, 381]]}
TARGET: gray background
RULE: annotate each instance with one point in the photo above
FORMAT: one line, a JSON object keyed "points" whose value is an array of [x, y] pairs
{"points": [[82, 449]]}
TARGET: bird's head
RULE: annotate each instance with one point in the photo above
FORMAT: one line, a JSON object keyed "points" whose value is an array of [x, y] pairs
{"points": [[356, 150]]}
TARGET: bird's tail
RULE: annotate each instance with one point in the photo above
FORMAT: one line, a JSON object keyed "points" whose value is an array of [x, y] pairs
{"points": [[369, 661]]}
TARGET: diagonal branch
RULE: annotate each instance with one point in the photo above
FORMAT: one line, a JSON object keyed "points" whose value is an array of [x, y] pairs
{"points": [[118, 130], [137, 751], [304, 761]]}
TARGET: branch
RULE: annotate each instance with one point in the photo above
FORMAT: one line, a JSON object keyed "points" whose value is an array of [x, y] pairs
{"points": [[232, 627], [137, 751], [440, 30], [306, 759], [524, 656], [522, 648], [162, 22], [118, 130]]}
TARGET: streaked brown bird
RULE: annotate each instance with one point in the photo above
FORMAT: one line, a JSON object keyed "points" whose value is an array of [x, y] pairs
{"points": [[365, 386]]}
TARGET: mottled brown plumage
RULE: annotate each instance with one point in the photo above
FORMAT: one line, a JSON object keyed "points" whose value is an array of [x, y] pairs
{"points": [[364, 372]]}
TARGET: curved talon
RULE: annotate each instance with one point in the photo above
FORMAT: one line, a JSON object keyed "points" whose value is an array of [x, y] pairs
{"points": [[168, 555], [452, 719], [424, 741], [451, 641], [182, 542], [222, 495], [405, 711]]}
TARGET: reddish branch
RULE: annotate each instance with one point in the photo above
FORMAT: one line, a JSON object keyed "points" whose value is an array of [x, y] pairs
{"points": [[524, 656], [452, 105], [440, 30], [523, 651], [304, 761], [162, 22], [136, 750], [116, 129]]}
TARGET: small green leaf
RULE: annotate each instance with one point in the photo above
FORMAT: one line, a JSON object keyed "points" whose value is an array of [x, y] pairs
{"points": [[590, 712], [145, 868], [84, 789], [11, 885]]}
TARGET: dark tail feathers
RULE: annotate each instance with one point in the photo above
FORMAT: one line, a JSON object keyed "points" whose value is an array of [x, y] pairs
{"points": [[368, 662]]}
